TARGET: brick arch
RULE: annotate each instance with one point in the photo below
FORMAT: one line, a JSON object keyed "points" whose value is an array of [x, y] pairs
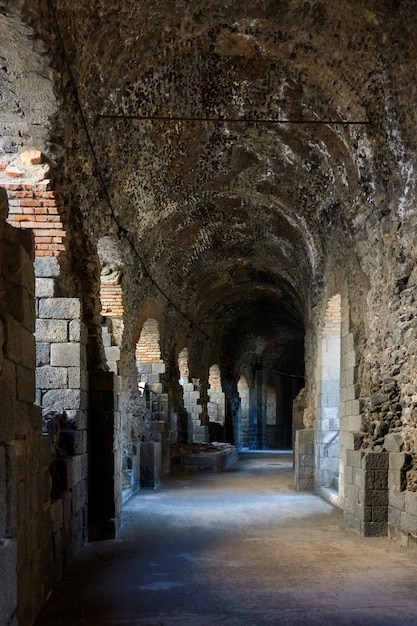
{"points": [[35, 204], [148, 348]]}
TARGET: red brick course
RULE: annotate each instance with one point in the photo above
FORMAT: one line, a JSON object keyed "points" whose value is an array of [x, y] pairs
{"points": [[38, 207]]}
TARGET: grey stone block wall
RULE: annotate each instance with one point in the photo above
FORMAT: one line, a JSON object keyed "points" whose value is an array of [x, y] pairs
{"points": [[304, 460], [197, 433], [32, 553], [402, 504], [366, 494]]}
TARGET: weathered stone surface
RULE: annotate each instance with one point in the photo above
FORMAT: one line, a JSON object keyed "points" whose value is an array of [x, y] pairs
{"points": [[51, 331], [60, 308]]}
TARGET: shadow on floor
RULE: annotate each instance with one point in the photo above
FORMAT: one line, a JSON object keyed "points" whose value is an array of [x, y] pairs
{"points": [[237, 548]]}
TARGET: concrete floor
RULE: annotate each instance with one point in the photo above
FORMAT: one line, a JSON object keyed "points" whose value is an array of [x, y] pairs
{"points": [[239, 548]]}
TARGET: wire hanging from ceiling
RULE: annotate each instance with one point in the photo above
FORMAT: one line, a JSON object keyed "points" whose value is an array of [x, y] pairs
{"points": [[122, 231]]}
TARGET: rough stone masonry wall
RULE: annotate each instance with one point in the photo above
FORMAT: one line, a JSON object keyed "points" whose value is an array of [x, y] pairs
{"points": [[30, 543], [388, 402]]}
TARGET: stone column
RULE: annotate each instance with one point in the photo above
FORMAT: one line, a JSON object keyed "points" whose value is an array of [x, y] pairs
{"points": [[304, 460]]}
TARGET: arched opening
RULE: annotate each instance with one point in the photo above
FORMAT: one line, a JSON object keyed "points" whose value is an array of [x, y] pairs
{"points": [[216, 406], [327, 434], [196, 431], [149, 362]]}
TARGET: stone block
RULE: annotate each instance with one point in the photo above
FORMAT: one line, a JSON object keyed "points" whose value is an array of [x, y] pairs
{"points": [[113, 354], [51, 331], [156, 387], [393, 442], [352, 494], [394, 516], [51, 377], [397, 460], [158, 368], [78, 332], [60, 308], [374, 498], [374, 529], [8, 412], [354, 458], [396, 480], [351, 521], [363, 513], [12, 339], [8, 576], [28, 349], [408, 523], [57, 515], [106, 337], [77, 378], [396, 499], [42, 354], [144, 368], [380, 479], [379, 514], [47, 267], [411, 503], [44, 288], [62, 399], [375, 460], [66, 355], [25, 384]]}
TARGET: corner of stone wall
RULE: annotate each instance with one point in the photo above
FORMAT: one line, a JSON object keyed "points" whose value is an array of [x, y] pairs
{"points": [[304, 460], [366, 495], [21, 469], [402, 504]]}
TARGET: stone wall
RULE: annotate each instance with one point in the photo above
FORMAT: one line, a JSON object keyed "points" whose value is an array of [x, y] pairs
{"points": [[366, 495], [243, 389], [33, 549]]}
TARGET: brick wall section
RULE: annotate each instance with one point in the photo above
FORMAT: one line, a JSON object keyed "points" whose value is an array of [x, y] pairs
{"points": [[147, 348], [111, 296], [38, 207]]}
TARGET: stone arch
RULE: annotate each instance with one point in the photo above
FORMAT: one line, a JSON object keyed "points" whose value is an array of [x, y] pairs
{"points": [[216, 406]]}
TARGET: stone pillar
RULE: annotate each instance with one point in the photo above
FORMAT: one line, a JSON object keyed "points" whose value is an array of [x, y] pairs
{"points": [[150, 464], [366, 496], [243, 390], [105, 467], [197, 432], [304, 460]]}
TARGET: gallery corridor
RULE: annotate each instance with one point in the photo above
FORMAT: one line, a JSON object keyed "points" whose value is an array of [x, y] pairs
{"points": [[239, 548]]}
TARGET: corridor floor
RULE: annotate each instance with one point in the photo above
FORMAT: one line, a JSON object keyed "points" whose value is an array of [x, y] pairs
{"points": [[239, 548]]}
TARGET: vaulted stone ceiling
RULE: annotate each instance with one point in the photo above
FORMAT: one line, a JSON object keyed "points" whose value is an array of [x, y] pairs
{"points": [[241, 146]]}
